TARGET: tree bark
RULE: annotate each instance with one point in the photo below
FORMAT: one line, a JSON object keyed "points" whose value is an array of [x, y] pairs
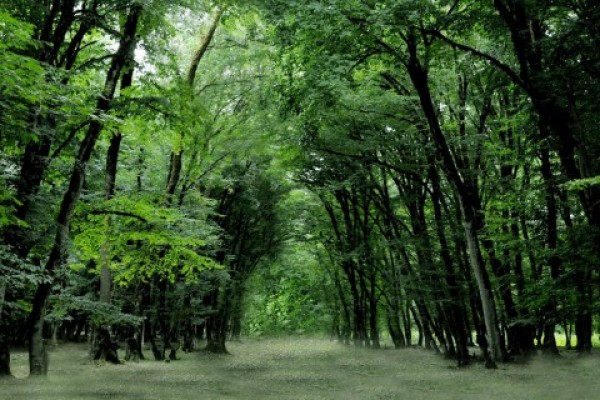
{"points": [[419, 78], [457, 313], [218, 323], [554, 261], [176, 161], [110, 180], [37, 355], [5, 336], [201, 51]]}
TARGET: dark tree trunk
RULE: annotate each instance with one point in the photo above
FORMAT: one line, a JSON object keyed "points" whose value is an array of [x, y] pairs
{"points": [[359, 334], [457, 313], [155, 344], [163, 319], [189, 334], [554, 261], [5, 335], [345, 329], [110, 180], [407, 324], [395, 329], [134, 348], [583, 330], [33, 167], [217, 324], [372, 303], [469, 210], [37, 353], [5, 339], [105, 348]]}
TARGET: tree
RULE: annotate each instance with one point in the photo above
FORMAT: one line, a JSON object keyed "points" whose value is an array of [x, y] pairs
{"points": [[38, 363]]}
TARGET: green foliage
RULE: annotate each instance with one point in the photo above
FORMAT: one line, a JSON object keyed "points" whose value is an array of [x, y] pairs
{"points": [[145, 241], [305, 137], [65, 306], [22, 87], [581, 184], [290, 296], [8, 204], [16, 277]]}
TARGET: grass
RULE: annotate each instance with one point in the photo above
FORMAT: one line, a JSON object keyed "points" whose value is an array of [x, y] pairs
{"points": [[302, 368]]}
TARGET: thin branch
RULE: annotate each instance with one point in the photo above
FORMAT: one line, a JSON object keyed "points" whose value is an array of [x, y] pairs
{"points": [[395, 84], [370, 159], [94, 60], [68, 140], [477, 53]]}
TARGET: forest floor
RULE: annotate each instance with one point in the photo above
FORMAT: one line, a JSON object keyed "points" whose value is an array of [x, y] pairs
{"points": [[302, 368]]}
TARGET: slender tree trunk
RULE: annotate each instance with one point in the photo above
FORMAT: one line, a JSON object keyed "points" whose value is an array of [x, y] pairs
{"points": [[33, 167], [37, 355], [345, 331], [204, 44], [5, 336], [176, 162], [406, 320], [554, 261], [372, 302], [358, 328], [4, 352], [105, 347], [236, 311], [163, 316], [419, 78], [217, 324], [457, 313], [394, 327]]}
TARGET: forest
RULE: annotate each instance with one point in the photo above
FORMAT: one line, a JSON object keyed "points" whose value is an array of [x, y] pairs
{"points": [[178, 177]]}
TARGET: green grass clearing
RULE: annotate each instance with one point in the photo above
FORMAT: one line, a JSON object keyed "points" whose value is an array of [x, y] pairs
{"points": [[302, 368]]}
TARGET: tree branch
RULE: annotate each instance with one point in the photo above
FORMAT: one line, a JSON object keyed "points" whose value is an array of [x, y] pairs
{"points": [[477, 53], [68, 140]]}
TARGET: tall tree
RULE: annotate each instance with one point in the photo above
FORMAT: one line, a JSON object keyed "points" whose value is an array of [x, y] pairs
{"points": [[38, 363]]}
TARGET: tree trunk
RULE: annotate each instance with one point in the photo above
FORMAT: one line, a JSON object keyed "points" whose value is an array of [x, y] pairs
{"points": [[201, 51], [373, 326], [217, 324], [550, 310], [5, 336], [419, 78], [394, 328], [583, 329], [358, 328], [236, 311], [37, 354], [105, 348], [33, 167], [457, 313], [110, 180], [176, 161], [485, 291]]}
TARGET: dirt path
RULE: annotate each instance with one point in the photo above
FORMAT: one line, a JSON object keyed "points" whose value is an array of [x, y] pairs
{"points": [[303, 369]]}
